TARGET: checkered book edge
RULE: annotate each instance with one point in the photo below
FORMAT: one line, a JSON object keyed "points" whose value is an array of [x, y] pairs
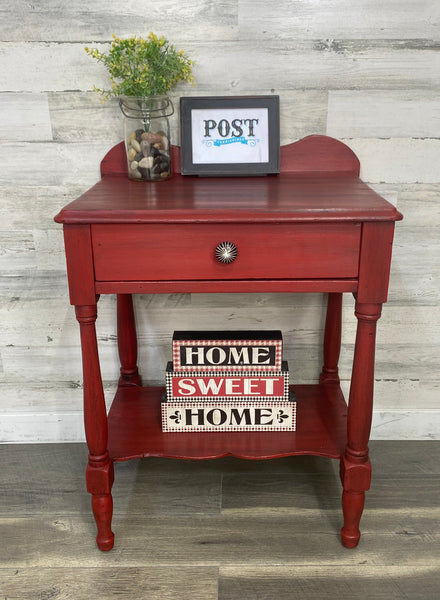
{"points": [[171, 374], [175, 418]]}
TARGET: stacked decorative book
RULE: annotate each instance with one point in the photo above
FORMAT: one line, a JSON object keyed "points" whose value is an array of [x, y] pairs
{"points": [[228, 381]]}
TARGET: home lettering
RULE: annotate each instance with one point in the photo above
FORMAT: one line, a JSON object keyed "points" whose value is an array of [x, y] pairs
{"points": [[234, 416], [227, 355]]}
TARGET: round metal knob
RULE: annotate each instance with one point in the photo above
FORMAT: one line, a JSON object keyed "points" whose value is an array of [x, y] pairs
{"points": [[226, 252]]}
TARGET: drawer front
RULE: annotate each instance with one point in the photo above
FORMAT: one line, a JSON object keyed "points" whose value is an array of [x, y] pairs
{"points": [[142, 252]]}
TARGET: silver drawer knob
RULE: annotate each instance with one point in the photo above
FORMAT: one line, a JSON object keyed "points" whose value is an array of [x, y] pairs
{"points": [[226, 252]]}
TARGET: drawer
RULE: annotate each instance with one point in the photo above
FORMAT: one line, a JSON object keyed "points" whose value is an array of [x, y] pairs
{"points": [[158, 252]]}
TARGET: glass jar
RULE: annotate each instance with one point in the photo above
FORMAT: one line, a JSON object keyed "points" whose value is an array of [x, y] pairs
{"points": [[147, 136]]}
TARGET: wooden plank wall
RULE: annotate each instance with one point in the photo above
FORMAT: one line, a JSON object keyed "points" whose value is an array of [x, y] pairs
{"points": [[365, 72]]}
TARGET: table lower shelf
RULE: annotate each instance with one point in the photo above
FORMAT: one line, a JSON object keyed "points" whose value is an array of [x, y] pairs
{"points": [[135, 429]]}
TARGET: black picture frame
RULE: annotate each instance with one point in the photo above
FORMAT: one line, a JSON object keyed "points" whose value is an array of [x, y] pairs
{"points": [[238, 144]]}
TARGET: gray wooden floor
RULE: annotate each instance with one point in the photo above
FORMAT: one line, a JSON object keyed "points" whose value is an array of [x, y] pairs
{"points": [[225, 529]]}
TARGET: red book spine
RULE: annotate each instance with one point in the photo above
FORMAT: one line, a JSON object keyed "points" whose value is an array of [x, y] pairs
{"points": [[251, 385]]}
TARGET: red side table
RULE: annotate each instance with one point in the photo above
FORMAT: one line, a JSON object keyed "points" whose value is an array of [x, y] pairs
{"points": [[314, 228]]}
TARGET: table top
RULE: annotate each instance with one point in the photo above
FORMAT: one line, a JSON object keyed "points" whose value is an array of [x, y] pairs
{"points": [[285, 197]]}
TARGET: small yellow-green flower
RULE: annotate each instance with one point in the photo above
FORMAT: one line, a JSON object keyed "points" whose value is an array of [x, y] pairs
{"points": [[140, 67]]}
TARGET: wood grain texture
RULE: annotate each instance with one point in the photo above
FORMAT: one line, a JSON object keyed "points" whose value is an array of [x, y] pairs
{"points": [[364, 20], [150, 583], [302, 63], [77, 117], [402, 160], [357, 64], [267, 542], [227, 20], [28, 206], [25, 116], [366, 581], [78, 21], [51, 164], [230, 541], [383, 114]]}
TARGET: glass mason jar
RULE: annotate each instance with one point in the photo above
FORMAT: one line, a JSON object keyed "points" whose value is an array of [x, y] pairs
{"points": [[147, 136]]}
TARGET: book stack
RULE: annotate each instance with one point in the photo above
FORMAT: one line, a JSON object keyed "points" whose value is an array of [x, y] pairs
{"points": [[228, 381]]}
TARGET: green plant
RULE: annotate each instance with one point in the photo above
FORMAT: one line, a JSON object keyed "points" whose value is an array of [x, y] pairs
{"points": [[140, 67]]}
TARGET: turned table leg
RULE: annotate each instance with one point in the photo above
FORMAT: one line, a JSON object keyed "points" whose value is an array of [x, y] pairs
{"points": [[355, 464], [332, 338], [127, 341], [99, 472]]}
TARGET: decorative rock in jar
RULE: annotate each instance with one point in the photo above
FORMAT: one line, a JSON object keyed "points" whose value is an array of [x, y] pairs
{"points": [[147, 136]]}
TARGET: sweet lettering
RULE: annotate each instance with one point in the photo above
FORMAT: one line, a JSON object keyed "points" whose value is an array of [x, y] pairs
{"points": [[227, 386]]}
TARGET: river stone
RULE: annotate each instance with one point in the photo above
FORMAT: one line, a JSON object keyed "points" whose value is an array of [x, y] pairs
{"points": [[146, 162], [135, 174], [135, 144], [152, 138]]}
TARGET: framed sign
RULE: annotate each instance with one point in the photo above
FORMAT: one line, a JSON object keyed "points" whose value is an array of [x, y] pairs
{"points": [[230, 135]]}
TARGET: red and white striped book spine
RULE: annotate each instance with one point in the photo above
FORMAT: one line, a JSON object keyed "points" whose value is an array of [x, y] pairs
{"points": [[227, 385]]}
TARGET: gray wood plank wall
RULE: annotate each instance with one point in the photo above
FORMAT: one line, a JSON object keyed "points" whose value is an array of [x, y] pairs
{"points": [[365, 72]]}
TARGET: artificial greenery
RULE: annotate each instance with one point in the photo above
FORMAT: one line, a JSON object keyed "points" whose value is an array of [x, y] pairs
{"points": [[140, 67]]}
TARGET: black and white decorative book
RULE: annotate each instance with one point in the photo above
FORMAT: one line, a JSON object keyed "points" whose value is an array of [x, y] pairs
{"points": [[227, 350], [240, 415]]}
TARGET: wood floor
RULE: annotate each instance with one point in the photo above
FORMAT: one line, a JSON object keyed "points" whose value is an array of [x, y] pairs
{"points": [[226, 529]]}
